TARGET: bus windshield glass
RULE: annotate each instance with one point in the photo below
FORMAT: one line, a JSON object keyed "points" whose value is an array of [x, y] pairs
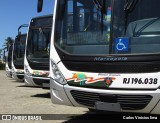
{"points": [[39, 40], [108, 27], [19, 49]]}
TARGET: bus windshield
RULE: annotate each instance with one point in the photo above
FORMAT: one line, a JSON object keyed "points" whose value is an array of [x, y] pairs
{"points": [[106, 27], [19, 50], [39, 40]]}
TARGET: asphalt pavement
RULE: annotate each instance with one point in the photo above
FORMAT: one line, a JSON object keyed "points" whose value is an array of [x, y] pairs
{"points": [[16, 98]]}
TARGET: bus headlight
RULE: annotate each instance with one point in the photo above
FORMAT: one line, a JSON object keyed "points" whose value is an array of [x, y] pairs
{"points": [[13, 71], [58, 77], [7, 69], [27, 71]]}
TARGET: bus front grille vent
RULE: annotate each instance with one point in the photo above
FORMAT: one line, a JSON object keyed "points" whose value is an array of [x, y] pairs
{"points": [[20, 76], [39, 66], [127, 102]]}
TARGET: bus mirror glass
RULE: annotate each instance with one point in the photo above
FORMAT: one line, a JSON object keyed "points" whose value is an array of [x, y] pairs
{"points": [[40, 5]]}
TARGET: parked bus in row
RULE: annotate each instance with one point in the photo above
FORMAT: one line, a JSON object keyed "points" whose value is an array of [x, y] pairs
{"points": [[36, 61], [110, 63], [8, 64], [18, 55]]}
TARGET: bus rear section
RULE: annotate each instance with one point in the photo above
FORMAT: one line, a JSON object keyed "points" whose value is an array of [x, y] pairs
{"points": [[36, 62], [18, 57], [105, 55]]}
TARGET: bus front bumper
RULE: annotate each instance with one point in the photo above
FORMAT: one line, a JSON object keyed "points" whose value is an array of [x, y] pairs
{"points": [[9, 73], [18, 77], [137, 101], [43, 82]]}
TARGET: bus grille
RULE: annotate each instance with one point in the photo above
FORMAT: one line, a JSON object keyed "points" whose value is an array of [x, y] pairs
{"points": [[20, 76], [19, 66], [40, 66], [126, 67], [127, 102], [40, 82]]}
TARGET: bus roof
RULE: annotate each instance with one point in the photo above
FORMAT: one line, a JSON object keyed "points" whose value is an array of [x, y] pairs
{"points": [[44, 16]]}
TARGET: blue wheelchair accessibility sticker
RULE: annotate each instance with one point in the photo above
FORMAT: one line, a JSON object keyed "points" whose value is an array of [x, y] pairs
{"points": [[122, 44]]}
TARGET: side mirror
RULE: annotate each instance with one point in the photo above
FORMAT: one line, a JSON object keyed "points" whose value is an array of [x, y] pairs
{"points": [[40, 5], [18, 37], [19, 33]]}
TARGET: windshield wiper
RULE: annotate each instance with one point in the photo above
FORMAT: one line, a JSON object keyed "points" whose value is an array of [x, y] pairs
{"points": [[97, 4], [128, 8], [101, 7]]}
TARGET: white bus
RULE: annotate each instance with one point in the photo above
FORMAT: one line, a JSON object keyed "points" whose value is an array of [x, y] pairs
{"points": [[36, 61], [113, 67], [8, 64], [18, 55]]}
